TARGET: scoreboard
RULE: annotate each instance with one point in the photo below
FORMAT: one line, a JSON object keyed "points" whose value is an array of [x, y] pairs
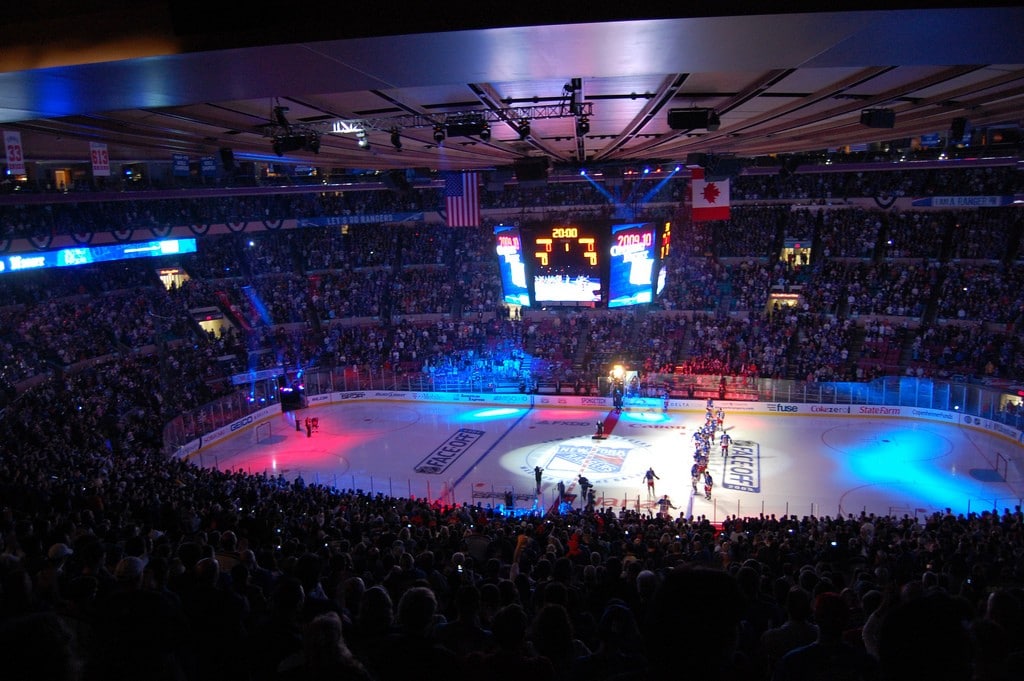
{"points": [[590, 264], [567, 263]]}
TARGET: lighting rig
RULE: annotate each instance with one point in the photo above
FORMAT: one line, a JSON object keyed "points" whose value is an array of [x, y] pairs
{"points": [[477, 123], [287, 136]]}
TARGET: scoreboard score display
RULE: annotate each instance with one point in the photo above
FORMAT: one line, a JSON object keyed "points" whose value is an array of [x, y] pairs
{"points": [[587, 264]]}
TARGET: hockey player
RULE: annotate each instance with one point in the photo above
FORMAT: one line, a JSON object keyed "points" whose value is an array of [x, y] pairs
{"points": [[584, 487], [694, 476], [664, 504], [724, 442], [650, 476], [709, 482]]}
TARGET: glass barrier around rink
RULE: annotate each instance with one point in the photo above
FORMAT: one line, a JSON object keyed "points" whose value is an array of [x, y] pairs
{"points": [[966, 398]]}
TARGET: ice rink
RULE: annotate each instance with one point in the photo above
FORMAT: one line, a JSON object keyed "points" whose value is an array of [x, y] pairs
{"points": [[777, 463]]}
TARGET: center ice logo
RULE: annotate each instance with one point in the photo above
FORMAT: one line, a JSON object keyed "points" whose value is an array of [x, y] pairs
{"points": [[604, 460]]}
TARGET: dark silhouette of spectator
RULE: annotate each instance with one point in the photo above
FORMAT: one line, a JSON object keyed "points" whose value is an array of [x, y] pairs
{"points": [[419, 655], [553, 637], [464, 634], [512, 660], [926, 638], [704, 607], [828, 657], [795, 632], [40, 647], [137, 628], [277, 635], [216, 623], [325, 656], [619, 650]]}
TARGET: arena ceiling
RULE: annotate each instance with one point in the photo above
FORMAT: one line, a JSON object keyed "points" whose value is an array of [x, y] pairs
{"points": [[151, 79]]}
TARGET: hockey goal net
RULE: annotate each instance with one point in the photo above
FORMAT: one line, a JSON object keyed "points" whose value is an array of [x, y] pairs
{"points": [[262, 432]]}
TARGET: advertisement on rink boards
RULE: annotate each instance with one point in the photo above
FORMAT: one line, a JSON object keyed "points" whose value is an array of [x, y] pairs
{"points": [[226, 431], [995, 427]]}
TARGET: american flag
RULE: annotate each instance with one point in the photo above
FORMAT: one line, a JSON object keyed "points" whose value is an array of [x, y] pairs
{"points": [[462, 199]]}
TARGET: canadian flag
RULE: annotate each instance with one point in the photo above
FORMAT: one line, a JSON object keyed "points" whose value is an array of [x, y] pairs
{"points": [[710, 200]]}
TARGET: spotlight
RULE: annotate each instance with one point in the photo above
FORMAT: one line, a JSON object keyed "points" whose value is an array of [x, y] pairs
{"points": [[313, 143], [361, 140], [485, 132], [524, 130], [582, 126], [439, 133], [396, 139]]}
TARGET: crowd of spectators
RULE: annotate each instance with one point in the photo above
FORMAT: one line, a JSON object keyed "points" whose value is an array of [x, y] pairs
{"points": [[117, 562]]}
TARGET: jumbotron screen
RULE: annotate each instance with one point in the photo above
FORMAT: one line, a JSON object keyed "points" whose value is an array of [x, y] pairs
{"points": [[509, 246], [631, 264]]}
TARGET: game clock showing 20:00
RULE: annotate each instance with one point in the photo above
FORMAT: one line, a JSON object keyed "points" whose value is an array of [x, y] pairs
{"points": [[566, 263]]}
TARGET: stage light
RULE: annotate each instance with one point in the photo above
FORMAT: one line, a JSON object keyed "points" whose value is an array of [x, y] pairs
{"points": [[362, 140], [485, 133], [439, 133], [313, 143], [582, 126], [524, 130], [396, 140]]}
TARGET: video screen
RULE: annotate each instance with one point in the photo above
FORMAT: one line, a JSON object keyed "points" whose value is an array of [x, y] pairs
{"points": [[509, 246], [85, 255], [631, 261]]}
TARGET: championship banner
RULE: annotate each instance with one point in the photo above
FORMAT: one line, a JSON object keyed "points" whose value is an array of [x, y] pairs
{"points": [[179, 165], [15, 154], [207, 166], [100, 159]]}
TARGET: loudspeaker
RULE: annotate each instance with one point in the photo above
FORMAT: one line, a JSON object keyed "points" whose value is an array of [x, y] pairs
{"points": [[498, 178], [878, 118], [531, 169], [957, 129], [227, 159], [396, 181], [723, 169], [687, 119], [696, 159], [613, 176]]}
